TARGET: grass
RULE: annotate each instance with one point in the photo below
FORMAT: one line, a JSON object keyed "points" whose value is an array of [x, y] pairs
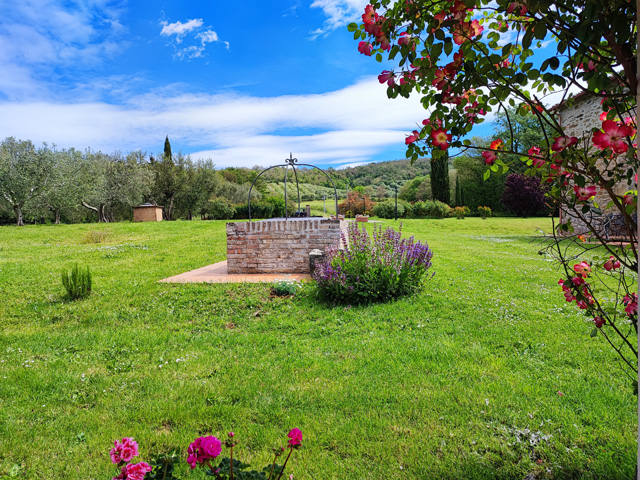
{"points": [[461, 381]]}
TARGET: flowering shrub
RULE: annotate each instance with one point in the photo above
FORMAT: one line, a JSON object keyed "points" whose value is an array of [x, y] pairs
{"points": [[484, 212], [468, 58], [375, 268], [283, 288], [460, 212], [203, 451]]}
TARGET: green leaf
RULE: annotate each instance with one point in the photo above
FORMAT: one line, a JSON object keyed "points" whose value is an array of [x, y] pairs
{"points": [[540, 30], [486, 175], [594, 333], [352, 27], [554, 63], [379, 57], [527, 38], [448, 46]]}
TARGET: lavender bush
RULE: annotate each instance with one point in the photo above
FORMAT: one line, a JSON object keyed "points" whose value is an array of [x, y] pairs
{"points": [[373, 268]]}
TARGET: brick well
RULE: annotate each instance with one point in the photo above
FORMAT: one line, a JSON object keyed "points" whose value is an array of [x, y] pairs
{"points": [[279, 245]]}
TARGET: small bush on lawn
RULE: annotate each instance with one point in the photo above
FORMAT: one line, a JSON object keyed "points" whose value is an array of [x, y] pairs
{"points": [[484, 212], [77, 282], [95, 236], [284, 288], [460, 212], [373, 268]]}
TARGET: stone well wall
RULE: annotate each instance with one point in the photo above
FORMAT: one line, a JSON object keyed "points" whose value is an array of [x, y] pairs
{"points": [[279, 245]]}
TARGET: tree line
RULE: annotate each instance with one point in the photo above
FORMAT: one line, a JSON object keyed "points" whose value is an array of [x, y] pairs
{"points": [[45, 183]]}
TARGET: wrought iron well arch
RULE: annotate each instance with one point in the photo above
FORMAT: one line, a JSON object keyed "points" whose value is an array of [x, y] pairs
{"points": [[291, 162]]}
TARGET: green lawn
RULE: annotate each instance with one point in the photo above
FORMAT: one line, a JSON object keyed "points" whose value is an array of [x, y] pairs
{"points": [[487, 374]]}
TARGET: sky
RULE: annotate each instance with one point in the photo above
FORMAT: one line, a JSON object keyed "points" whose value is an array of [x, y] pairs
{"points": [[242, 83]]}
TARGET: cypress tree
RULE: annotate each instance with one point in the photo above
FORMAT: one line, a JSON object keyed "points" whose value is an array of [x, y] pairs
{"points": [[167, 149], [440, 179], [458, 193]]}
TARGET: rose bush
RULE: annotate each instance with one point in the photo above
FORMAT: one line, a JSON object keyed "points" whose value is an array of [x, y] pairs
{"points": [[467, 58]]}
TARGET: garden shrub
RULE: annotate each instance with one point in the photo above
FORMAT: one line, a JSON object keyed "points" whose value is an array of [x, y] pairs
{"points": [[267, 207], [439, 209], [373, 268], [460, 212], [284, 288], [77, 282], [421, 209], [219, 208], [484, 212], [387, 209], [523, 195]]}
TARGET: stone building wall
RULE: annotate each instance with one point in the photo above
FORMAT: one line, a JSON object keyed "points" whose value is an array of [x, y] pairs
{"points": [[578, 121], [279, 246]]}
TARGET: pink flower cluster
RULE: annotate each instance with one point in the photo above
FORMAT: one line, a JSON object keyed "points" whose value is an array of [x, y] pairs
{"points": [[374, 24], [578, 285], [295, 437], [134, 471], [203, 449], [462, 31], [124, 451]]}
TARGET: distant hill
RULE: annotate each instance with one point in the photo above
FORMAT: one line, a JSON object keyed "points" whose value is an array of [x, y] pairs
{"points": [[378, 178]]}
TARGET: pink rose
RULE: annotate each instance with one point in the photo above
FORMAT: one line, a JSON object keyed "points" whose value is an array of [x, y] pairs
{"points": [[296, 437]]}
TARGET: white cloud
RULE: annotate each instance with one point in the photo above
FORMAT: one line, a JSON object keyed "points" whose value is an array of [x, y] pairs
{"points": [[208, 36], [338, 13], [200, 37], [350, 125], [180, 29], [37, 36]]}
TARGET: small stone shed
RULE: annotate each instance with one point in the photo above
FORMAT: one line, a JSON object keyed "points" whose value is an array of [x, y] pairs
{"points": [[147, 212]]}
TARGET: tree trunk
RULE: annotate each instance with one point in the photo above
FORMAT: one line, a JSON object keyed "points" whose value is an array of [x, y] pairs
{"points": [[102, 217], [18, 211], [56, 215], [167, 211]]}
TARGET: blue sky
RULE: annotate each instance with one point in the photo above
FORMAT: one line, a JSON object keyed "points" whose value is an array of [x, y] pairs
{"points": [[243, 83]]}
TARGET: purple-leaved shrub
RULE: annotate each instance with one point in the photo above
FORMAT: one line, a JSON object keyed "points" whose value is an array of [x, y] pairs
{"points": [[373, 268]]}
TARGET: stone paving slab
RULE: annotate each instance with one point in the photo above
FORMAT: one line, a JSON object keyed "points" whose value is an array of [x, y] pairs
{"points": [[217, 273]]}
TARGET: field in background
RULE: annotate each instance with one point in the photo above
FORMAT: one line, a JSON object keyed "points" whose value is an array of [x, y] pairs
{"points": [[487, 374]]}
